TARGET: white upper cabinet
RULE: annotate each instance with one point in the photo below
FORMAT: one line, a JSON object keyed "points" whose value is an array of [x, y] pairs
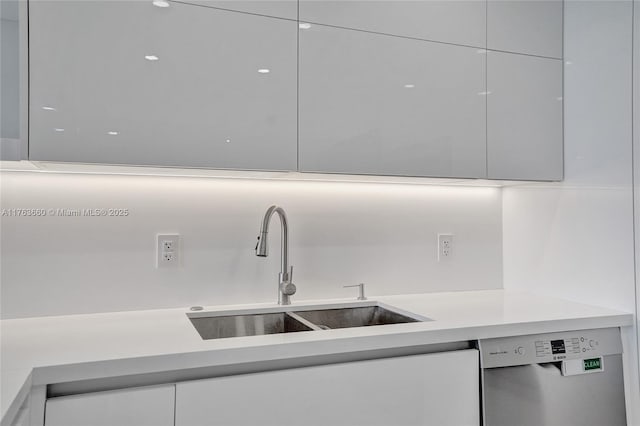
{"points": [[451, 21], [287, 9], [402, 87], [524, 117], [533, 27], [124, 82], [377, 104]]}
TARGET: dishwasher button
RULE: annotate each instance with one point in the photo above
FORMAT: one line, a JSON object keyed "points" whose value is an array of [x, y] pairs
{"points": [[520, 350], [592, 343]]}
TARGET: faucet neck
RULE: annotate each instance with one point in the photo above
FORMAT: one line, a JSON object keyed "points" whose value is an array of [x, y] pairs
{"points": [[262, 249]]}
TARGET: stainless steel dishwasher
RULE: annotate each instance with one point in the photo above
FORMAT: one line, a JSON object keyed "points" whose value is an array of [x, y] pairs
{"points": [[555, 379]]}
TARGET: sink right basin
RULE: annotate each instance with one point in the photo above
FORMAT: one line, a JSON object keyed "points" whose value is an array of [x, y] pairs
{"points": [[354, 317]]}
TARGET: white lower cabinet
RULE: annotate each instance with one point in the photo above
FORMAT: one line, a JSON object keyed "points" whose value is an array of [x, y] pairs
{"points": [[432, 389], [151, 406]]}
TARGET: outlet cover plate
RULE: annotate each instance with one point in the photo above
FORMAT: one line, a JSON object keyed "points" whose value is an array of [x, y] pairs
{"points": [[445, 247], [168, 251]]}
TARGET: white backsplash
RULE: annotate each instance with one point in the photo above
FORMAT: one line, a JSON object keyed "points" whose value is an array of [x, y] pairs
{"points": [[384, 235]]}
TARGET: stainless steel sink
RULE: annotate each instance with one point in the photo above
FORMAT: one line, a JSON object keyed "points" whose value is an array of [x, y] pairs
{"points": [[218, 325], [354, 317]]}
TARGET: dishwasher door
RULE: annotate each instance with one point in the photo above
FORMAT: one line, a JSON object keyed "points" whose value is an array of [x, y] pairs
{"points": [[539, 395], [571, 378]]}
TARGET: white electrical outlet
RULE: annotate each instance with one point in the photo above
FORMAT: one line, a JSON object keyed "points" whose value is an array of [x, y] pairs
{"points": [[445, 247], [168, 251]]}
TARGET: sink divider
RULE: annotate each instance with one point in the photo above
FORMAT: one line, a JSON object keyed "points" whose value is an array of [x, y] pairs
{"points": [[303, 321]]}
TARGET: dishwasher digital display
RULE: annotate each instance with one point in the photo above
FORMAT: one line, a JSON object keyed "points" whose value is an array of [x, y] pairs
{"points": [[557, 347]]}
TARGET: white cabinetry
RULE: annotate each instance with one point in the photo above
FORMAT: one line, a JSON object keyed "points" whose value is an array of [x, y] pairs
{"points": [[124, 82], [451, 21], [377, 104], [524, 117], [533, 27], [435, 389], [287, 9], [402, 88], [130, 407]]}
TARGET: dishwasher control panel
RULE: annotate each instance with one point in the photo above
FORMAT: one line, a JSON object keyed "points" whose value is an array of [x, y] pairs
{"points": [[551, 347]]}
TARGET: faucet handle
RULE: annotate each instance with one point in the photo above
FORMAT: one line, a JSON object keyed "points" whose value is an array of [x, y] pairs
{"points": [[360, 286], [288, 288]]}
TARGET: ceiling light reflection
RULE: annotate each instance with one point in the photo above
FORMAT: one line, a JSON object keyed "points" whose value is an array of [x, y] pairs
{"points": [[112, 133], [48, 108], [151, 58], [304, 25], [160, 3], [409, 86], [58, 130], [264, 70]]}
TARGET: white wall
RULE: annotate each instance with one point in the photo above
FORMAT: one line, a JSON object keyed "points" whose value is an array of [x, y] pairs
{"points": [[341, 233], [575, 239]]}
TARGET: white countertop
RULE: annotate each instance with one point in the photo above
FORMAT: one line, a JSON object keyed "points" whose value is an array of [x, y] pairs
{"points": [[46, 350]]}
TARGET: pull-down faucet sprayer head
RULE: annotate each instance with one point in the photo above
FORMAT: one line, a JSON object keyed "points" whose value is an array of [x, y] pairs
{"points": [[261, 245]]}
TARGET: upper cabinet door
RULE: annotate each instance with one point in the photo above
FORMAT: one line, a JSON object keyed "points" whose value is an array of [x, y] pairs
{"points": [[524, 117], [451, 21], [533, 27], [287, 9], [124, 82], [377, 104]]}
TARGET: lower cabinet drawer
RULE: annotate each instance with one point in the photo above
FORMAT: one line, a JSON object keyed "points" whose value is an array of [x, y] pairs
{"points": [[432, 389], [148, 406]]}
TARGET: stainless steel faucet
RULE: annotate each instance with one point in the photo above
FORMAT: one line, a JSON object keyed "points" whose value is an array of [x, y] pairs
{"points": [[286, 288]]}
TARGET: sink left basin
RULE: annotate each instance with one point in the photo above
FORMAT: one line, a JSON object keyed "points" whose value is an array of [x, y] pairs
{"points": [[218, 327]]}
